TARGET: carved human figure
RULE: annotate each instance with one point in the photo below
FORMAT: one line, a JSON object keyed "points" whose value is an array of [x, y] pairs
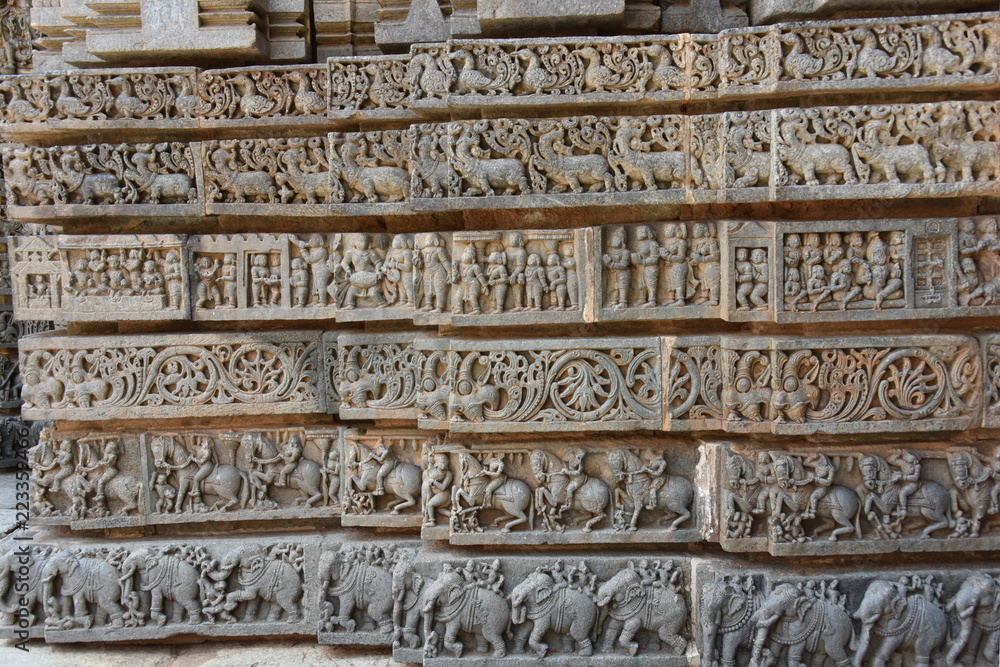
{"points": [[274, 280], [646, 259], [174, 279], [151, 280], [761, 277], [794, 287], [259, 277], [298, 280], [908, 470], [229, 282], [674, 251], [704, 258], [497, 281], [535, 283], [555, 278], [398, 269], [470, 283], [616, 260], [115, 279], [744, 278], [517, 258], [133, 264], [314, 253], [567, 253], [208, 288], [436, 488], [435, 265], [362, 267]]}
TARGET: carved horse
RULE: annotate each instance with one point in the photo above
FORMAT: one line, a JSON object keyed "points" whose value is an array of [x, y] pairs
{"points": [[839, 505], [931, 501], [227, 482], [633, 480], [590, 500], [403, 481], [512, 498], [306, 478]]}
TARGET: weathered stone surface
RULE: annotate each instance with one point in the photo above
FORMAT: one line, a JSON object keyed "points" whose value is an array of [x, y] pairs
{"points": [[868, 499], [796, 386], [157, 32], [131, 377], [950, 52], [515, 347], [736, 271]]}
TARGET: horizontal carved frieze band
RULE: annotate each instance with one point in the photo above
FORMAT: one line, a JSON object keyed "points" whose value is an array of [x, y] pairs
{"points": [[863, 499], [737, 271], [946, 149], [225, 586], [854, 56], [445, 608], [834, 385], [164, 376], [732, 383]]}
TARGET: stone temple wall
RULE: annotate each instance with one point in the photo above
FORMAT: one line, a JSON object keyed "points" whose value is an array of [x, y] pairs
{"points": [[612, 334]]}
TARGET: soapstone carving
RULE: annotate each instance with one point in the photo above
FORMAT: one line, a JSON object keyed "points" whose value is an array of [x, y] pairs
{"points": [[382, 477], [187, 372], [870, 500]]}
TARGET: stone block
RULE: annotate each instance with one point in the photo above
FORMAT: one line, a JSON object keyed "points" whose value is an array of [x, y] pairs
{"points": [[161, 376], [803, 386], [500, 16], [488, 490], [375, 375], [551, 385], [921, 597], [872, 498], [158, 32], [769, 11]]}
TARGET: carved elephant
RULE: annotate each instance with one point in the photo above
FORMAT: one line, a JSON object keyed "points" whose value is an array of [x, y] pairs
{"points": [[788, 617], [725, 620], [86, 580], [462, 608], [262, 577], [14, 598], [163, 577], [663, 611], [907, 623], [548, 608], [358, 585], [977, 605], [409, 594]]}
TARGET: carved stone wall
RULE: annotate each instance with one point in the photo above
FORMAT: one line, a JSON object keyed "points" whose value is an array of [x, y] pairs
{"points": [[495, 332]]}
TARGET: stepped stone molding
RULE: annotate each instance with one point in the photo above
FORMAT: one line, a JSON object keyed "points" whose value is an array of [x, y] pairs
{"points": [[799, 386], [946, 149], [952, 52], [780, 272], [863, 499], [159, 376]]}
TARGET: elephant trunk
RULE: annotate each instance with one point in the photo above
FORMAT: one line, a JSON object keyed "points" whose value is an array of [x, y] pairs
{"points": [[518, 613], [958, 645], [863, 641]]}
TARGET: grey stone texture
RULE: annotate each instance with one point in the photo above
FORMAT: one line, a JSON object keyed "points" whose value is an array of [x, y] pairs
{"points": [[500, 333]]}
